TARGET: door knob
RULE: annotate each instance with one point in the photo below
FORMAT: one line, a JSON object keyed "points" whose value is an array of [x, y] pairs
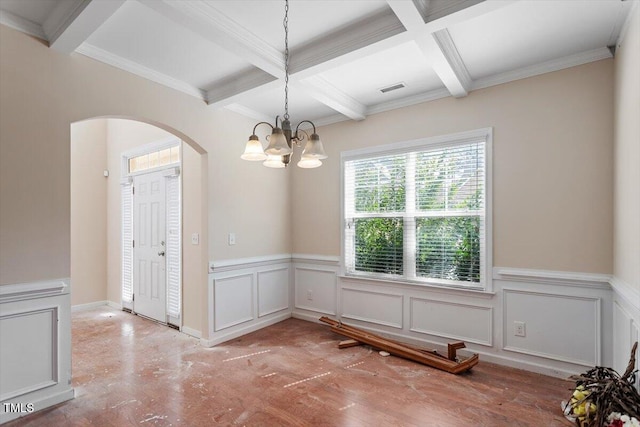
{"points": [[161, 253]]}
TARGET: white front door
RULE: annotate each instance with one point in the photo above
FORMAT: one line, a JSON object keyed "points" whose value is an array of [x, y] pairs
{"points": [[149, 235]]}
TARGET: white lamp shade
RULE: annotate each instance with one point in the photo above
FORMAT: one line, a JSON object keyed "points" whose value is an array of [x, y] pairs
{"points": [[313, 149], [278, 144], [309, 163], [274, 162], [253, 150]]}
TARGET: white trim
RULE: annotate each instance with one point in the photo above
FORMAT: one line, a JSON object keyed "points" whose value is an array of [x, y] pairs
{"points": [[627, 22], [563, 278], [21, 24], [157, 145], [221, 337], [39, 404], [597, 351], [88, 306], [25, 291], [543, 68], [630, 294], [249, 262], [139, 70], [114, 305], [316, 259], [191, 332]]}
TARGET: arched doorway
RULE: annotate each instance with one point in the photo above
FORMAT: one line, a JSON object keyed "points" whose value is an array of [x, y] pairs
{"points": [[97, 246]]}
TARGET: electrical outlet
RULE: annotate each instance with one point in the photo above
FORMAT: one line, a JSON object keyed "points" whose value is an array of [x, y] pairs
{"points": [[195, 239], [309, 294], [232, 239], [519, 329]]}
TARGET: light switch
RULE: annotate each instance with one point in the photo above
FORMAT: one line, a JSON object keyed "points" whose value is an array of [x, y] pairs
{"points": [[195, 239], [232, 239]]}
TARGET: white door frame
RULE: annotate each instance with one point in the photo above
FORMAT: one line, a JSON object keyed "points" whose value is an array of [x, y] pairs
{"points": [[170, 171]]}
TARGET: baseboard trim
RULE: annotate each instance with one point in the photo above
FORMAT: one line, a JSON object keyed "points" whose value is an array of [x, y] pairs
{"points": [[219, 338], [88, 306], [115, 305], [191, 332], [40, 404]]}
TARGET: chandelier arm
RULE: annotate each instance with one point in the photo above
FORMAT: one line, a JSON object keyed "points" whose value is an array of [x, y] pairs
{"points": [[264, 123], [306, 121]]}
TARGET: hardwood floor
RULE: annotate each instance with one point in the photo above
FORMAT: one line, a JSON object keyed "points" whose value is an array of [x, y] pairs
{"points": [[131, 371]]}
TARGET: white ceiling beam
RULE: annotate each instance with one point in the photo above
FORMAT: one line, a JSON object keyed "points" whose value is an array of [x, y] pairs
{"points": [[208, 22], [449, 66], [323, 91], [71, 23], [238, 87], [407, 13], [387, 33]]}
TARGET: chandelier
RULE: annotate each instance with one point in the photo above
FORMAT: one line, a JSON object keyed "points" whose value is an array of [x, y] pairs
{"points": [[280, 149]]}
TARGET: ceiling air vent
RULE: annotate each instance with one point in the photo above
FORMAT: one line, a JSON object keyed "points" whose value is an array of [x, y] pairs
{"points": [[392, 87]]}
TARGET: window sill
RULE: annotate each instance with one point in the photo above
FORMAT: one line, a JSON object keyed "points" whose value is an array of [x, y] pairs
{"points": [[475, 293]]}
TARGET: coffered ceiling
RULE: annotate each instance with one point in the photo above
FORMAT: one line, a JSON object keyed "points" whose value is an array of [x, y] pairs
{"points": [[230, 53]]}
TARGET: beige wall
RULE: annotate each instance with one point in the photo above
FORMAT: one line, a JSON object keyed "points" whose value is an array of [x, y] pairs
{"points": [[627, 156], [552, 167], [43, 92], [88, 212]]}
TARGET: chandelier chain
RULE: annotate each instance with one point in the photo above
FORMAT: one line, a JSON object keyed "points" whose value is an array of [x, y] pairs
{"points": [[286, 60]]}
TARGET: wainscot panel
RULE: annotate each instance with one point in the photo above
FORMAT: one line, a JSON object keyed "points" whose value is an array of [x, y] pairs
{"points": [[469, 323], [373, 307], [315, 289], [273, 291], [626, 324], [233, 301], [560, 327], [35, 355], [247, 295]]}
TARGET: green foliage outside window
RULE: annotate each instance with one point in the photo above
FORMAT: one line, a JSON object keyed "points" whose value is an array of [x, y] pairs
{"points": [[446, 181]]}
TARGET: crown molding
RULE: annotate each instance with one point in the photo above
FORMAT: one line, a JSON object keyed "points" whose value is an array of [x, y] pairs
{"points": [[626, 21], [431, 95], [24, 25], [61, 17], [543, 68], [137, 69]]}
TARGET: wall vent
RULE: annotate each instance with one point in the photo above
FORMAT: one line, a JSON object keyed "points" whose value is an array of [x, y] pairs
{"points": [[392, 87]]}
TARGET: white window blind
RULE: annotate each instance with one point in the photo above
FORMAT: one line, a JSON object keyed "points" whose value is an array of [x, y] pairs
{"points": [[418, 214], [126, 195], [173, 246]]}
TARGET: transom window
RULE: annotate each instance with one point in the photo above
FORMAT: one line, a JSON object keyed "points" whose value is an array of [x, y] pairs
{"points": [[154, 159], [417, 211]]}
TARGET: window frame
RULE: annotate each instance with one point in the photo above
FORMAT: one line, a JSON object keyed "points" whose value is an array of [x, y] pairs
{"points": [[429, 143]]}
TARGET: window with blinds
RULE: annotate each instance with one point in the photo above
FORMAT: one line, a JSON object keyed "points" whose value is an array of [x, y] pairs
{"points": [[418, 212]]}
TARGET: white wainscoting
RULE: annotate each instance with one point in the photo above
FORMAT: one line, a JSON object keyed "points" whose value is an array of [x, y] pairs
{"points": [[315, 286], [626, 324], [381, 308], [560, 327], [568, 316], [35, 355], [469, 323], [247, 295]]}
